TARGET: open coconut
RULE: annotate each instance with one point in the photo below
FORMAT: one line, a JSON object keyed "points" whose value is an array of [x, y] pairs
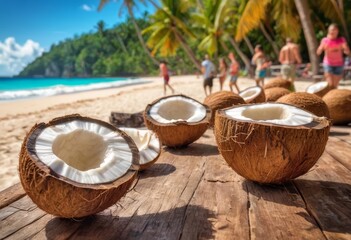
{"points": [[220, 100], [177, 120], [270, 142], [308, 102], [319, 88], [253, 95], [148, 144], [76, 166], [339, 104], [273, 94], [281, 83]]}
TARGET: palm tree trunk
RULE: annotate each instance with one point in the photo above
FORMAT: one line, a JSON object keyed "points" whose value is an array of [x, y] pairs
{"points": [[242, 55], [249, 45], [305, 18], [140, 37], [270, 40], [187, 49]]}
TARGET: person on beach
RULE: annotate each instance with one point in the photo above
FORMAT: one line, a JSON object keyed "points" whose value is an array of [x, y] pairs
{"points": [[209, 72], [165, 74], [261, 62], [234, 72], [223, 70], [333, 47], [289, 56]]}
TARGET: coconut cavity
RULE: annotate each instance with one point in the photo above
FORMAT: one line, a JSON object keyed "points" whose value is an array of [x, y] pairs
{"points": [[148, 144], [75, 166], [270, 142], [177, 109], [84, 152], [253, 95], [177, 120], [319, 88]]}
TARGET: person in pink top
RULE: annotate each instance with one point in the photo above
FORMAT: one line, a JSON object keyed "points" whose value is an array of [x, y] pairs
{"points": [[165, 74], [333, 47]]}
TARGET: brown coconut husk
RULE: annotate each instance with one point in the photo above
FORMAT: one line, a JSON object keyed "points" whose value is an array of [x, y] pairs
{"points": [[63, 197], [268, 153], [260, 98], [177, 134], [321, 92], [281, 83], [307, 101], [339, 104], [273, 94], [221, 100]]}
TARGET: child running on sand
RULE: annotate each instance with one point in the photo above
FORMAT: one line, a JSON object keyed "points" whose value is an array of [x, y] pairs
{"points": [[165, 74], [260, 60], [234, 72]]}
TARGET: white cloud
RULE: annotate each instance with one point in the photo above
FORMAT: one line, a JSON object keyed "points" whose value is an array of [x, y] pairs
{"points": [[87, 8], [14, 57]]}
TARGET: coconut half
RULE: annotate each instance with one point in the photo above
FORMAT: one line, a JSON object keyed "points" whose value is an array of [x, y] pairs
{"points": [[319, 88], [253, 95], [220, 100], [148, 144], [270, 142], [177, 120], [273, 94], [339, 104], [307, 101], [76, 166], [281, 83]]}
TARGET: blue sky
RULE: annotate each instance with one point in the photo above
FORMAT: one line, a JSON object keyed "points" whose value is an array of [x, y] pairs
{"points": [[29, 27]]}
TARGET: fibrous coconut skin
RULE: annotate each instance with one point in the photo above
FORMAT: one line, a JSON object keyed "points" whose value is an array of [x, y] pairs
{"points": [[273, 94], [221, 100], [339, 104], [269, 153], [178, 133], [321, 92], [260, 98], [151, 151], [307, 101], [281, 83], [63, 197]]}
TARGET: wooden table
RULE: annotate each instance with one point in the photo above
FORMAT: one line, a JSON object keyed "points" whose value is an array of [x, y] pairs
{"points": [[192, 194]]}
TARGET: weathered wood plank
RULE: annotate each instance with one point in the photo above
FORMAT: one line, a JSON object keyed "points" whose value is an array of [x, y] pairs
{"points": [[11, 195], [340, 151], [327, 193], [341, 132]]}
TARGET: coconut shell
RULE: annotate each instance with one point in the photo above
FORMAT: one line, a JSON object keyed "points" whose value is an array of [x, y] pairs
{"points": [[321, 92], [307, 101], [60, 196], [177, 134], [268, 153], [260, 98], [221, 100], [281, 83], [339, 104], [273, 94]]}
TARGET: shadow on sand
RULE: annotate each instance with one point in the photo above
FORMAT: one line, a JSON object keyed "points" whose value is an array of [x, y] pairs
{"points": [[191, 221]]}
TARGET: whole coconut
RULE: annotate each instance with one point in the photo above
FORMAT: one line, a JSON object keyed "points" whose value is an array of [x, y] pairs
{"points": [[220, 100], [339, 104], [273, 94], [307, 101], [281, 83]]}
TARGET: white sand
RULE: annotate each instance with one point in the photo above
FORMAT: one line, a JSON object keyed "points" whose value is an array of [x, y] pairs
{"points": [[16, 118]]}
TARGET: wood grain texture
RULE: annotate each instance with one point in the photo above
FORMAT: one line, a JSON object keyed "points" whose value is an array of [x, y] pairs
{"points": [[11, 194]]}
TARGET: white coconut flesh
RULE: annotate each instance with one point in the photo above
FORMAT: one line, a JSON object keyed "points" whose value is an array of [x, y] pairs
{"points": [[175, 109], [251, 93], [317, 87], [84, 152], [147, 142], [271, 113]]}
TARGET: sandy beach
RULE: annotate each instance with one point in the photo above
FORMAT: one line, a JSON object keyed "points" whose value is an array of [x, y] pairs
{"points": [[18, 117]]}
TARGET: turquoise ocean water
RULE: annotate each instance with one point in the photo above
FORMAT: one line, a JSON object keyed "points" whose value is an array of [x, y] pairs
{"points": [[20, 88]]}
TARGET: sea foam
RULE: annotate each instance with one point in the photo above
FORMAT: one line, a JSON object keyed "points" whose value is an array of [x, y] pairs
{"points": [[62, 89]]}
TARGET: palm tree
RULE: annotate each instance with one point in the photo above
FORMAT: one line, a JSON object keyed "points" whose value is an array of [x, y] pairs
{"points": [[100, 26], [129, 4], [170, 29]]}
